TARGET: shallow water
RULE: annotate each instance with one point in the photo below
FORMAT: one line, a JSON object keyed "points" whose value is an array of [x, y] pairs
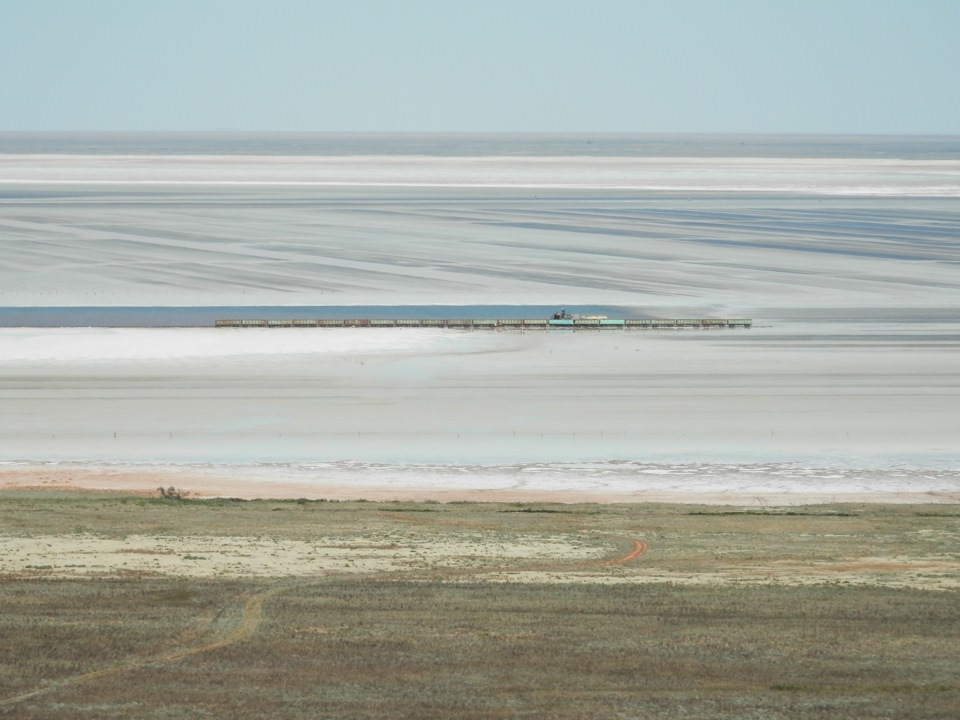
{"points": [[186, 317]]}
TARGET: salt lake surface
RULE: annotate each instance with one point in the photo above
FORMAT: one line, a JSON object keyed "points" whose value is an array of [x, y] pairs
{"points": [[844, 254]]}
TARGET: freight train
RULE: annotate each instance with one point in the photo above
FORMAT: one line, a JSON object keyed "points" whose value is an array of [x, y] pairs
{"points": [[572, 322]]}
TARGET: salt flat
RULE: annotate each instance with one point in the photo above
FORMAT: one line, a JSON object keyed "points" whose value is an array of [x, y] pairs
{"points": [[848, 268], [400, 413], [727, 255]]}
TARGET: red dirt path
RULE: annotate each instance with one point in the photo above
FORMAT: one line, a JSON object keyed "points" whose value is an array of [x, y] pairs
{"points": [[640, 547]]}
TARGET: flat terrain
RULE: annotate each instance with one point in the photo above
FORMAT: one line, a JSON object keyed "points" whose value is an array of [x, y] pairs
{"points": [[120, 606], [773, 591], [750, 249], [885, 398], [849, 269]]}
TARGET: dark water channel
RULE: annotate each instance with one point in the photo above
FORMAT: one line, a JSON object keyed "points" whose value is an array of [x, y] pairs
{"points": [[207, 316]]}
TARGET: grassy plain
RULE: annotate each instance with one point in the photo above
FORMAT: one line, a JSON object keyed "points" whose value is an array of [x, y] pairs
{"points": [[119, 606]]}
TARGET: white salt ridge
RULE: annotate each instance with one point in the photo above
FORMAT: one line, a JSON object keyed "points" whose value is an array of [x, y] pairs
{"points": [[907, 178], [68, 346]]}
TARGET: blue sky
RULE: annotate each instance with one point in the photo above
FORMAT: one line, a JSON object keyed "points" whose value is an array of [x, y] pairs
{"points": [[808, 66]]}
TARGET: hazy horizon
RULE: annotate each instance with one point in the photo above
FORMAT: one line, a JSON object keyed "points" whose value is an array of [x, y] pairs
{"points": [[467, 144]]}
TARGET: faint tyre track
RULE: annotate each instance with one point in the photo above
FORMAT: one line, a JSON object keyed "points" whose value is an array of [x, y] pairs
{"points": [[639, 546], [250, 619]]}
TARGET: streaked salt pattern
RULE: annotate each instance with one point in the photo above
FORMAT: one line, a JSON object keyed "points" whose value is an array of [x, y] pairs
{"points": [[831, 176], [689, 255]]}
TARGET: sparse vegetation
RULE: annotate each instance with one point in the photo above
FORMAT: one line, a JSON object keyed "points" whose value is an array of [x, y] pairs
{"points": [[815, 614], [172, 493]]}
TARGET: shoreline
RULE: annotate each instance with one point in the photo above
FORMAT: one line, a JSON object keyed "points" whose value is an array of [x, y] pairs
{"points": [[210, 485]]}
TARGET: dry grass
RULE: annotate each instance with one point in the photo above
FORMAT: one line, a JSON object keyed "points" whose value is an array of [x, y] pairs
{"points": [[813, 612]]}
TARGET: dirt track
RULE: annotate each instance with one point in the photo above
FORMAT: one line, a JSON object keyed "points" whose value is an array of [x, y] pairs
{"points": [[640, 547], [250, 618]]}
